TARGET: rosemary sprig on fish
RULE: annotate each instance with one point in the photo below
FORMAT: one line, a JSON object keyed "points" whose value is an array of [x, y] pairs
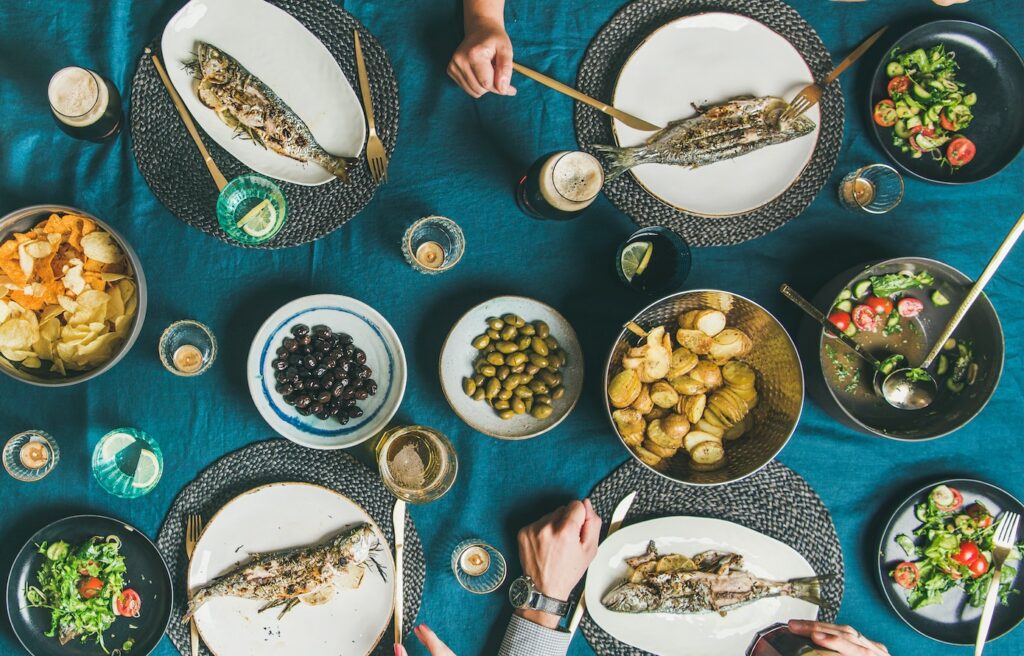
{"points": [[717, 133], [254, 111], [304, 574], [710, 582]]}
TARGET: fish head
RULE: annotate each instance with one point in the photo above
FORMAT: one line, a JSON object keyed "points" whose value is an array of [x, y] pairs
{"points": [[629, 598], [355, 546], [799, 126], [214, 65], [795, 127]]}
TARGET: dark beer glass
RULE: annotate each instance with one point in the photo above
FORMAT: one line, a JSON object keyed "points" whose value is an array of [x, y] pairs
{"points": [[560, 186], [84, 104]]}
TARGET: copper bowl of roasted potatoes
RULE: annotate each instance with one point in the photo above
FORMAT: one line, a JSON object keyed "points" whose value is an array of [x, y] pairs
{"points": [[704, 387]]}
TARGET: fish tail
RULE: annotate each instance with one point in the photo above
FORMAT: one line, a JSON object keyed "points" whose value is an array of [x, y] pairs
{"points": [[619, 160], [194, 603], [336, 166], [807, 589]]}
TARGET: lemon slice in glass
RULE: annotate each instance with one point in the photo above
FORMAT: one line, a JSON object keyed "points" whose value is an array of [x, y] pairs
{"points": [[116, 444], [147, 472], [260, 220], [635, 258]]}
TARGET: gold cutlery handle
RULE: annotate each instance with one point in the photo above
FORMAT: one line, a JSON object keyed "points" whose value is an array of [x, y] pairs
{"points": [[218, 177], [364, 82], [853, 56]]}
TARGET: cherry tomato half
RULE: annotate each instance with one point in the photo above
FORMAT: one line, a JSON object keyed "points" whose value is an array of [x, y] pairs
{"points": [[960, 151], [909, 307], [128, 603], [978, 566], [841, 320], [885, 113], [967, 553], [980, 514], [958, 500], [865, 319], [879, 305], [947, 122], [899, 84], [907, 575], [89, 587]]}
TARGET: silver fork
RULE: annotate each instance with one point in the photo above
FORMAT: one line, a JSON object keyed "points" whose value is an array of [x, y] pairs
{"points": [[376, 157], [193, 529], [1005, 538]]}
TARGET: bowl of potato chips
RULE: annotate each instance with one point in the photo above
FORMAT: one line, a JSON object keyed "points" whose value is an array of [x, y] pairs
{"points": [[72, 296]]}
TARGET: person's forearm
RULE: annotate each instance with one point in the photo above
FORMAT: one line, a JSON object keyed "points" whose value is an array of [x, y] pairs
{"points": [[483, 11], [525, 638]]}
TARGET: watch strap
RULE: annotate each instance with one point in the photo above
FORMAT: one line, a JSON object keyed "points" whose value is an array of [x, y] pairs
{"points": [[550, 605]]}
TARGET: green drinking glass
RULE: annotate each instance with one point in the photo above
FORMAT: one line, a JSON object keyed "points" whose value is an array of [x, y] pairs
{"points": [[127, 463]]}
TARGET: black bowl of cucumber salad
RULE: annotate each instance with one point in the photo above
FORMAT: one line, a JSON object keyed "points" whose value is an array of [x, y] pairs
{"points": [[946, 102], [895, 309]]}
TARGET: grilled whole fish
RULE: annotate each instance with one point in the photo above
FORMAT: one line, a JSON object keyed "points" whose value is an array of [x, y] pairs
{"points": [[717, 133], [249, 106], [304, 573], [709, 582]]}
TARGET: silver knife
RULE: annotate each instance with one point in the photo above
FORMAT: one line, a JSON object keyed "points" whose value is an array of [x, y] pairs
{"points": [[399, 521], [618, 515]]}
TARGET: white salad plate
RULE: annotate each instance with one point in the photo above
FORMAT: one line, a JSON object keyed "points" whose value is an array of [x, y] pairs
{"points": [[272, 518], [707, 634], [458, 356], [286, 57], [370, 332], [708, 59]]}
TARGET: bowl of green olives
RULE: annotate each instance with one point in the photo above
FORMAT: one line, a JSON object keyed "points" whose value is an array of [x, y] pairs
{"points": [[512, 368]]}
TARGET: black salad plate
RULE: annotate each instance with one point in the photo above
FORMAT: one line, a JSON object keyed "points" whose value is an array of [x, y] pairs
{"points": [[147, 574], [954, 621], [991, 68]]}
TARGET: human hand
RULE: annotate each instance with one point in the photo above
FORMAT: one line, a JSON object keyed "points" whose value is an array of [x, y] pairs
{"points": [[842, 639], [483, 61], [429, 640], [555, 552], [947, 3]]}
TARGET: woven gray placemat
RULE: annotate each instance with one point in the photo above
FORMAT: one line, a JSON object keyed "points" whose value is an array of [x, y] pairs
{"points": [[275, 461], [775, 501], [174, 170], [599, 70]]}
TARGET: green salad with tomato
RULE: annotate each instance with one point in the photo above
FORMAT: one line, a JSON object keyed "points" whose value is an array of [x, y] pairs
{"points": [[951, 549], [927, 106], [83, 588]]}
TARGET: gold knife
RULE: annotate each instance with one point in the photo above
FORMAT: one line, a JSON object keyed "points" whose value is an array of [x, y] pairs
{"points": [[618, 515], [398, 518], [628, 119], [852, 57]]}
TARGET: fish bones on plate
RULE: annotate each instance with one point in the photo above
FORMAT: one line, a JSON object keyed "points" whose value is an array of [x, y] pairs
{"points": [[711, 581], [308, 574], [717, 133]]}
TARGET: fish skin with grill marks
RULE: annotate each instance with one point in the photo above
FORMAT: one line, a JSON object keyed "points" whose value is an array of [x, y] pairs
{"points": [[731, 129]]}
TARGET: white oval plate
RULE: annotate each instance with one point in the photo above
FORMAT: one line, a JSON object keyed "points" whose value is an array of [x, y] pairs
{"points": [[708, 634], [275, 517], [458, 354], [284, 55], [370, 331], [708, 59]]}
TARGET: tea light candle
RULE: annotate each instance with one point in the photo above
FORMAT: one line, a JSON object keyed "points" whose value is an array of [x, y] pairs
{"points": [[430, 254], [34, 455], [188, 359], [475, 561]]}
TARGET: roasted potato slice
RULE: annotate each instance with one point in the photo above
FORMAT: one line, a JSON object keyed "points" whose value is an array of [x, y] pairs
{"points": [[694, 340], [633, 439], [707, 427], [707, 453], [675, 426], [695, 438], [688, 319], [658, 436], [643, 402], [656, 413], [692, 407], [708, 373], [715, 419], [728, 344], [658, 450], [739, 374], [628, 420], [646, 457], [624, 388], [687, 386], [738, 430], [683, 361], [664, 395]]}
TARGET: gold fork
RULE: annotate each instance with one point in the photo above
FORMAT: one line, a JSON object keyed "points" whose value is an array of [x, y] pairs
{"points": [[811, 94], [375, 155], [193, 529]]}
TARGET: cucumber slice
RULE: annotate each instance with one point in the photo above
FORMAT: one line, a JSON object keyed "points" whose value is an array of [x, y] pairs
{"points": [[913, 122], [901, 128], [907, 544], [942, 496], [850, 331], [844, 305], [920, 92], [939, 299], [921, 512], [894, 69], [943, 365], [916, 154], [970, 99], [954, 386], [861, 288], [949, 345], [846, 293], [894, 319]]}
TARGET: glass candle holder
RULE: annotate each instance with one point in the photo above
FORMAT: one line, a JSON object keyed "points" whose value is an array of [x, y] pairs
{"points": [[127, 463], [251, 209], [31, 455], [187, 348], [874, 189], [478, 567], [433, 244]]}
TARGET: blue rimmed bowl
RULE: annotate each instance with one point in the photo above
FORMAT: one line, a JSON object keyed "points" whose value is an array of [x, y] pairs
{"points": [[370, 332]]}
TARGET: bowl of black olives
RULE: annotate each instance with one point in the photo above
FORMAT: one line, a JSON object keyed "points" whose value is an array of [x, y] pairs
{"points": [[327, 371]]}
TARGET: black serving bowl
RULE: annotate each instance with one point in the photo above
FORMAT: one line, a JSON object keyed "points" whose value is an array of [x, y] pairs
{"points": [[870, 413]]}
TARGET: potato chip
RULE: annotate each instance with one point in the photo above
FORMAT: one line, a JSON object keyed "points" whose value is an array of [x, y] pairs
{"points": [[100, 246], [18, 333]]}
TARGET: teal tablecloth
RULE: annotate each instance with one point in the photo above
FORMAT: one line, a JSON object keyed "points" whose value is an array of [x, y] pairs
{"points": [[460, 157]]}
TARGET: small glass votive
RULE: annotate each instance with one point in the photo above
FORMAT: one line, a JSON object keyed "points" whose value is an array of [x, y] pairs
{"points": [[875, 189], [31, 455], [433, 244], [187, 348], [478, 567]]}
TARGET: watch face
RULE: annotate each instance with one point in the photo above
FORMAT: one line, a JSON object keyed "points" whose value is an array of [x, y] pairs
{"points": [[519, 593]]}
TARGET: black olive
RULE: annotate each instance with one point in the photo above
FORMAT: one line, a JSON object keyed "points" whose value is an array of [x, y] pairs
{"points": [[300, 329], [355, 412], [344, 338], [305, 340], [343, 366], [327, 380], [342, 420], [295, 359], [310, 362], [361, 394], [284, 388], [334, 410], [302, 411], [281, 351], [324, 414], [364, 373], [369, 372], [338, 391], [324, 396], [290, 344], [323, 332], [313, 384], [360, 356], [371, 386], [349, 350], [303, 401], [280, 377], [316, 408], [280, 364]]}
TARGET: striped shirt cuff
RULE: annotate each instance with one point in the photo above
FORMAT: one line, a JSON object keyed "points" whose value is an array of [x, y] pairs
{"points": [[524, 638]]}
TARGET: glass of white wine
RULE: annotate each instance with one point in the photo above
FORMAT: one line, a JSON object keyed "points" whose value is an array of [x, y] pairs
{"points": [[417, 464]]}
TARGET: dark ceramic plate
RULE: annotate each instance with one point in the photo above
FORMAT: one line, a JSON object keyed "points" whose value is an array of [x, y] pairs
{"points": [[147, 574], [990, 67], [954, 621]]}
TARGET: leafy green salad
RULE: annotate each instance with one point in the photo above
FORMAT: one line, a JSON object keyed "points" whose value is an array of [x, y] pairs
{"points": [[952, 548], [83, 588]]}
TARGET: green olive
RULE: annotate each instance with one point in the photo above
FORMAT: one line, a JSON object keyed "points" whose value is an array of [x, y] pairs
{"points": [[519, 368], [539, 346], [493, 334], [556, 360], [493, 386], [523, 392], [538, 387], [489, 348], [511, 382], [552, 380], [518, 406], [486, 369], [469, 386], [541, 411], [528, 329], [496, 359], [513, 319], [479, 379], [524, 378], [495, 324], [524, 342], [551, 342], [507, 347], [542, 398], [506, 414], [516, 359], [542, 329], [508, 333], [528, 402], [481, 342], [503, 372], [532, 369], [505, 394], [501, 404], [539, 360], [479, 395], [558, 392]]}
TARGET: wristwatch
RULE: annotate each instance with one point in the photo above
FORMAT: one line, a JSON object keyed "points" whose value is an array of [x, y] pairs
{"points": [[524, 595]]}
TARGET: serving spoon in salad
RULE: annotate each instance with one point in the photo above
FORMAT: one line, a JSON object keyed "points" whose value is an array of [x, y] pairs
{"points": [[914, 388]]}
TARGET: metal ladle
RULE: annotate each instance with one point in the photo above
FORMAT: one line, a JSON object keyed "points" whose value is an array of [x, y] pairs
{"points": [[914, 388]]}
